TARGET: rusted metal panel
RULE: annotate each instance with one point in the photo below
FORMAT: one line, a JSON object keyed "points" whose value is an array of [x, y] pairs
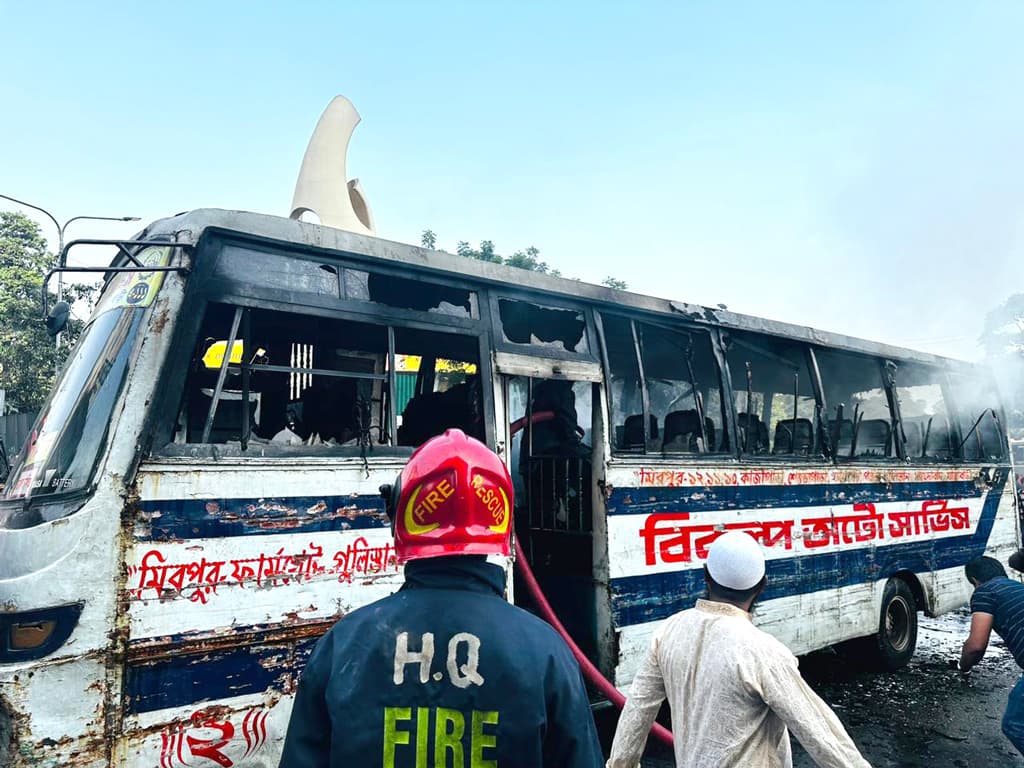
{"points": [[233, 571], [62, 709], [56, 715]]}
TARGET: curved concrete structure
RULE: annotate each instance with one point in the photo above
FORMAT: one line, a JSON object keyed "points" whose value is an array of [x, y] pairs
{"points": [[321, 187]]}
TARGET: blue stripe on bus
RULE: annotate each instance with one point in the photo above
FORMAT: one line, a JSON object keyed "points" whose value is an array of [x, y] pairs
{"points": [[646, 501], [175, 519], [203, 676], [644, 598], [199, 676]]}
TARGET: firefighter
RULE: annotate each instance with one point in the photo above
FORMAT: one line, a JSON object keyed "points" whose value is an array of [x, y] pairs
{"points": [[445, 672]]}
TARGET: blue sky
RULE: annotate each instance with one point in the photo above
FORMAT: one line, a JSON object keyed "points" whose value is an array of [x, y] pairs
{"points": [[853, 166]]}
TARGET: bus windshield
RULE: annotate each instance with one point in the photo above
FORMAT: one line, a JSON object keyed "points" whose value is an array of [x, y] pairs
{"points": [[71, 430]]}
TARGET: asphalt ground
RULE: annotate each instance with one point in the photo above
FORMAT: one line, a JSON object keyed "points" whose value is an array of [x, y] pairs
{"points": [[924, 715]]}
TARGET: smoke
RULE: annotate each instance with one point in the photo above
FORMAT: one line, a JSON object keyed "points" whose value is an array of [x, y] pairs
{"points": [[932, 217], [1008, 372]]}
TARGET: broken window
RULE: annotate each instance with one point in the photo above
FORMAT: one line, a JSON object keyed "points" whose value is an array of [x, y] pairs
{"points": [[523, 322], [285, 272], [982, 435], [448, 391], [927, 428], [859, 419], [674, 381], [405, 293], [316, 381], [774, 395]]}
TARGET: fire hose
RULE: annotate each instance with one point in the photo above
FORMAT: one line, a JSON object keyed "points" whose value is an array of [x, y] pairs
{"points": [[590, 671]]}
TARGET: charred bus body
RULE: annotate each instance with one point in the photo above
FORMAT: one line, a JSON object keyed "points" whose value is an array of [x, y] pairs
{"points": [[199, 501]]}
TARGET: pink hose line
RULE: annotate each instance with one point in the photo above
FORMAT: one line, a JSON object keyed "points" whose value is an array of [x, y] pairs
{"points": [[590, 672]]}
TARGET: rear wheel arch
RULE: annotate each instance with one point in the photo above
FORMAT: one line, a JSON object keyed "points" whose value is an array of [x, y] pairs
{"points": [[916, 589]]}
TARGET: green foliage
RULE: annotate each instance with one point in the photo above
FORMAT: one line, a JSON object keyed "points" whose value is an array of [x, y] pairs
{"points": [[528, 259], [28, 354]]}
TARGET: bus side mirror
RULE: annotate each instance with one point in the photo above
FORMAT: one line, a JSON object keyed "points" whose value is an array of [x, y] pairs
{"points": [[57, 320]]}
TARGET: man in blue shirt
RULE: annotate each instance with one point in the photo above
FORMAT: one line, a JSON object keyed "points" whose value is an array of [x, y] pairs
{"points": [[445, 672], [997, 603]]}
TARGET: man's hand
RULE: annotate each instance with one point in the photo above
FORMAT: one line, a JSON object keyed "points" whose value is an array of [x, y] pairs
{"points": [[955, 664], [977, 641]]}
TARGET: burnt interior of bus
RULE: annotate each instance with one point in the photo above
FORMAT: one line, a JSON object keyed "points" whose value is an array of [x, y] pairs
{"points": [[305, 380], [672, 375], [773, 394]]}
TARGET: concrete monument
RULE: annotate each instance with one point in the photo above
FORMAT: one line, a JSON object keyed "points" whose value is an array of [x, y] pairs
{"points": [[321, 187]]}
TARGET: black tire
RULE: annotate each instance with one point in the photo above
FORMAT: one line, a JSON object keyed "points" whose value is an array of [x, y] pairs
{"points": [[893, 645]]}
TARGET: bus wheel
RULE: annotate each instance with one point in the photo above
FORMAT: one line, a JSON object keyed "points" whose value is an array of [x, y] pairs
{"points": [[893, 645]]}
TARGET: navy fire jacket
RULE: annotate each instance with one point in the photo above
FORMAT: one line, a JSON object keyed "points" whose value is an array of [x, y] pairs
{"points": [[446, 673]]}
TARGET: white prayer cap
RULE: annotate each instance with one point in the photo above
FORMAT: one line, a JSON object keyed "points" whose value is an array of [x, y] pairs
{"points": [[735, 560]]}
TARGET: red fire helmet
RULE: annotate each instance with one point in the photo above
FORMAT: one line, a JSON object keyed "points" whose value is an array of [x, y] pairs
{"points": [[454, 497]]}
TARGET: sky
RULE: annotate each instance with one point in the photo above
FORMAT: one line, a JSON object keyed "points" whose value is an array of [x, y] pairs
{"points": [[855, 166]]}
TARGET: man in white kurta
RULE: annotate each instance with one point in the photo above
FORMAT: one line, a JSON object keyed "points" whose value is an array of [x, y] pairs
{"points": [[735, 691]]}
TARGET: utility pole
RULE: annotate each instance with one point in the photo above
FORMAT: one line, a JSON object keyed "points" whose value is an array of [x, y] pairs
{"points": [[60, 240]]}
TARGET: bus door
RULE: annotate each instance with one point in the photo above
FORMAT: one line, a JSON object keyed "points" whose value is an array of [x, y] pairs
{"points": [[550, 459]]}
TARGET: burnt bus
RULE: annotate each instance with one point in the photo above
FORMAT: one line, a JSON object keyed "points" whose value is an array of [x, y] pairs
{"points": [[198, 500]]}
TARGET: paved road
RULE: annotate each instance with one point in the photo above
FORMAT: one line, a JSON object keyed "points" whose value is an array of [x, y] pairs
{"points": [[922, 716]]}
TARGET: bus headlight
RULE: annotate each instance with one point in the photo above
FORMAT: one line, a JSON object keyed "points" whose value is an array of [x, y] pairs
{"points": [[30, 635]]}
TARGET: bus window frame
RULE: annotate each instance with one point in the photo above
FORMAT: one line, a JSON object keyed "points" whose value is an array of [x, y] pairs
{"points": [[955, 413], [821, 448], [886, 384], [203, 289], [214, 283], [724, 380], [541, 300]]}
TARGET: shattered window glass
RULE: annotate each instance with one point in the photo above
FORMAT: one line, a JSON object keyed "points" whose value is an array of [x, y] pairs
{"points": [[285, 272], [859, 419], [523, 322], [403, 293]]}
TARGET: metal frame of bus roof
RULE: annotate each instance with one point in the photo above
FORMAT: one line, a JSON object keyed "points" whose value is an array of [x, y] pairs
{"points": [[191, 226]]}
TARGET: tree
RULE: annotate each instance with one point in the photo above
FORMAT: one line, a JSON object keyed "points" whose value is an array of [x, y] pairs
{"points": [[528, 259], [28, 354]]}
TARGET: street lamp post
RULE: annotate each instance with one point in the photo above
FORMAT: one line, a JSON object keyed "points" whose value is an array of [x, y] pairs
{"points": [[60, 238]]}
